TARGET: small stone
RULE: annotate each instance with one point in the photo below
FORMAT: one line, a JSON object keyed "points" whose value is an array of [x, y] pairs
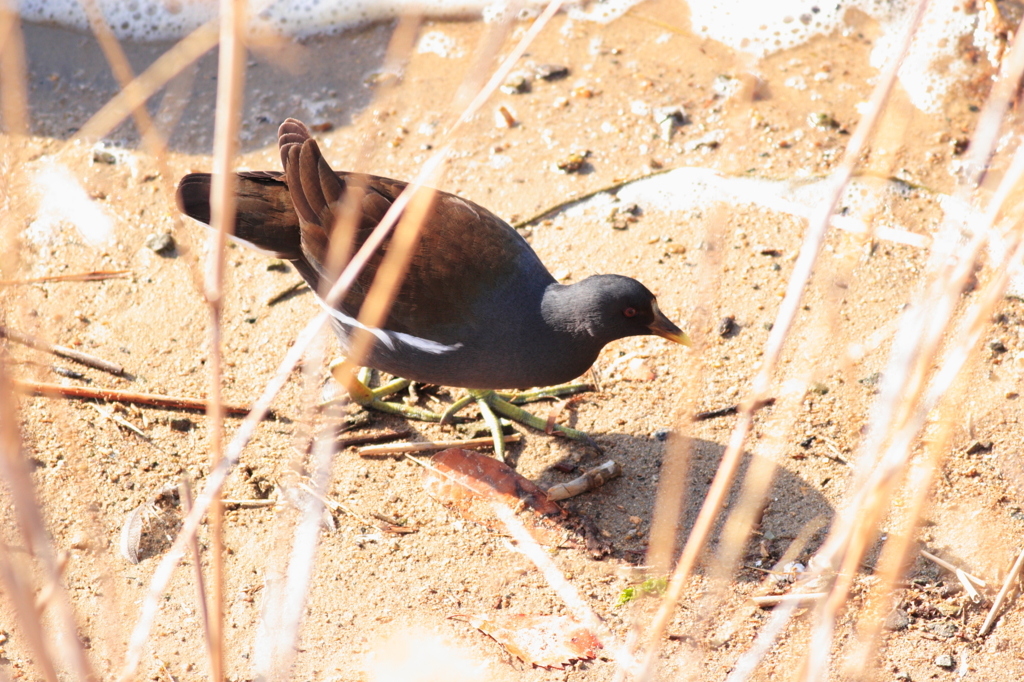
{"points": [[322, 127], [668, 119], [79, 541], [516, 84], [182, 424], [661, 435], [997, 346], [871, 380], [819, 388], [707, 142], [943, 630], [104, 154], [727, 327], [162, 244], [903, 676], [278, 265], [574, 162], [979, 446], [550, 72], [822, 121], [896, 620], [945, 661]]}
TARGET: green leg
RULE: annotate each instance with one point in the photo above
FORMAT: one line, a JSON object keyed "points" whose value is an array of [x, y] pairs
{"points": [[499, 405], [494, 424], [522, 397], [373, 398]]}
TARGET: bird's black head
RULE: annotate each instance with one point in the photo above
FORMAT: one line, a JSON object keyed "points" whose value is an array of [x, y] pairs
{"points": [[609, 307]]}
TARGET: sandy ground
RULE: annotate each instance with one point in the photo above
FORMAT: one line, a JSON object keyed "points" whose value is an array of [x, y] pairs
{"points": [[381, 597]]}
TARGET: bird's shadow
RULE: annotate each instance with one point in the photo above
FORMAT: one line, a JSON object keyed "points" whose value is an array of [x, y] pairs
{"points": [[324, 80], [625, 507]]}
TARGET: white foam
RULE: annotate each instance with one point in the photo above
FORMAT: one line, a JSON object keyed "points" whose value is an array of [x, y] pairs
{"points": [[930, 68], [690, 190], [150, 20]]}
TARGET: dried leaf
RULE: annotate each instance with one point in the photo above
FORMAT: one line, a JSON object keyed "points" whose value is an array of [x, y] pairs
{"points": [[470, 483], [543, 641], [131, 535]]}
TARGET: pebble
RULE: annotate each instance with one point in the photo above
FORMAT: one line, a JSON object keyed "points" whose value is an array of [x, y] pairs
{"points": [[661, 435], [668, 119], [573, 163], [182, 424], [707, 142], [79, 541], [162, 244], [516, 84], [822, 121], [727, 327], [945, 661], [896, 620], [550, 72]]}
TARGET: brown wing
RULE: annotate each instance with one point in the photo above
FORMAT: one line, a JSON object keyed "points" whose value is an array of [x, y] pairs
{"points": [[464, 249]]}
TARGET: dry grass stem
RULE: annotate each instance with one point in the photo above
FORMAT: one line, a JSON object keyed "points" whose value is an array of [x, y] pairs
{"points": [[230, 81], [62, 351], [118, 396], [953, 568], [426, 446], [185, 493], [1004, 591]]}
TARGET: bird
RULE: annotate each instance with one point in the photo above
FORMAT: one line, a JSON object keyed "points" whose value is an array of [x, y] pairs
{"points": [[477, 308]]}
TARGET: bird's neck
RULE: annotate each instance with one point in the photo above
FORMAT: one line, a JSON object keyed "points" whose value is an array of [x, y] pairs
{"points": [[568, 309]]}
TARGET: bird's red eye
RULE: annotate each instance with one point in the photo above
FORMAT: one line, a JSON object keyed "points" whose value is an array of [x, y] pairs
{"points": [[629, 312]]}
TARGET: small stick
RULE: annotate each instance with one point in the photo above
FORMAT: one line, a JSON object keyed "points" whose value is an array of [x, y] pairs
{"points": [[972, 592], [114, 395], [402, 448], [1011, 578], [293, 290], [731, 410], [366, 439], [122, 422], [594, 478], [94, 276], [62, 351], [185, 493], [951, 568], [248, 504], [800, 599]]}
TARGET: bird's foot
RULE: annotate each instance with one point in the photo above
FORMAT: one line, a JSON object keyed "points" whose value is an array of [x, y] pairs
{"points": [[373, 398], [493, 404], [535, 394]]}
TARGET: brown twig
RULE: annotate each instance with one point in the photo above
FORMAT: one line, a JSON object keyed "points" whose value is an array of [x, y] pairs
{"points": [[800, 599], [114, 395], [62, 351], [92, 276], [952, 568], [402, 448], [367, 438], [185, 492], [729, 411]]}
